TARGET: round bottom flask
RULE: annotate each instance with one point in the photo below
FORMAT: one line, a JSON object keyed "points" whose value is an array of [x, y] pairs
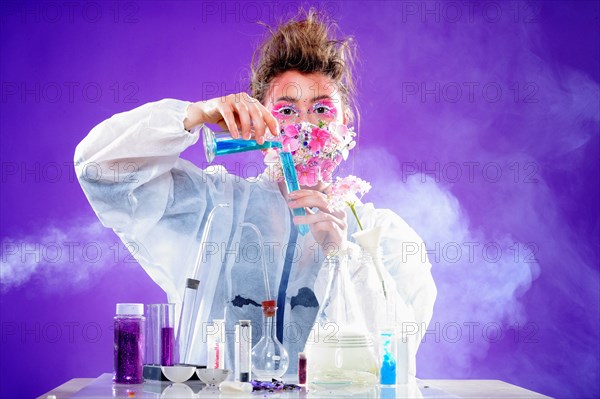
{"points": [[269, 358]]}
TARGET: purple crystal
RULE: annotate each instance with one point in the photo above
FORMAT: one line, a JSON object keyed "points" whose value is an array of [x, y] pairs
{"points": [[273, 385]]}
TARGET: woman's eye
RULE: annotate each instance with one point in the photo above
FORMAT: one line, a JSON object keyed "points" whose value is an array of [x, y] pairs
{"points": [[322, 109], [286, 111]]}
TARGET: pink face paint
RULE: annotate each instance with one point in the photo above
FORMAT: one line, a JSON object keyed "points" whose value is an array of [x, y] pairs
{"points": [[285, 111], [325, 108]]}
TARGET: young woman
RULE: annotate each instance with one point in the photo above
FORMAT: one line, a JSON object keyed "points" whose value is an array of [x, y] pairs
{"points": [[130, 170]]}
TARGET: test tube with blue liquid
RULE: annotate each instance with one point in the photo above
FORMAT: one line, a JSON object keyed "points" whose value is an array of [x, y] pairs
{"points": [[223, 143], [291, 182], [388, 354]]}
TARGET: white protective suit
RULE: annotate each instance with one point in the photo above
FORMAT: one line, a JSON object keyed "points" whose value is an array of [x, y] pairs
{"points": [[130, 171]]}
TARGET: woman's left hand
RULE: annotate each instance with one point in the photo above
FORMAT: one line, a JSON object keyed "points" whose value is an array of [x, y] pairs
{"points": [[328, 227]]}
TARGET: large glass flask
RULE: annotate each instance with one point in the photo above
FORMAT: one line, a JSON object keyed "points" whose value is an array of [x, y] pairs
{"points": [[340, 350], [269, 357]]}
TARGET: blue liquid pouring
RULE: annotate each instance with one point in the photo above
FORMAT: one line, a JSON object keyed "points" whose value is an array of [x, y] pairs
{"points": [[291, 182]]}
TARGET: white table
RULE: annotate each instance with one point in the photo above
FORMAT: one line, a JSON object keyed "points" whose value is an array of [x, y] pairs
{"points": [[102, 387]]}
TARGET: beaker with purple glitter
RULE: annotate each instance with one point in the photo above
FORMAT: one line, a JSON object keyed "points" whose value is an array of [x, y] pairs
{"points": [[167, 335], [129, 343], [160, 334]]}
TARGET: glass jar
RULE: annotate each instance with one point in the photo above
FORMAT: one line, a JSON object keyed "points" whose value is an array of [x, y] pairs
{"points": [[129, 343]]}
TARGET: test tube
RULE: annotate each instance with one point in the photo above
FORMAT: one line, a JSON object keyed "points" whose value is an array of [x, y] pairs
{"points": [[153, 343], [160, 334], [301, 368], [243, 350], [222, 143], [387, 357], [167, 334], [292, 184], [403, 358], [215, 342], [185, 320]]}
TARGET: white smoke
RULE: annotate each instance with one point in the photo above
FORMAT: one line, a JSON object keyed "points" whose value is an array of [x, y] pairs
{"points": [[60, 257], [479, 274]]}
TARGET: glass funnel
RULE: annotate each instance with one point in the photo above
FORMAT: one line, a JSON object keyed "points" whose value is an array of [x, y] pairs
{"points": [[269, 357], [222, 143], [340, 350]]}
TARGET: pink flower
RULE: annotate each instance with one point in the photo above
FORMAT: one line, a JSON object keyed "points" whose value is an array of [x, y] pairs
{"points": [[338, 132], [327, 169], [290, 144], [307, 175], [344, 191], [313, 161], [319, 138], [291, 131]]}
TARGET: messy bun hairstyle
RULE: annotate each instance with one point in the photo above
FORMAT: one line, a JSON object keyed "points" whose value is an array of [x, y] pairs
{"points": [[306, 43]]}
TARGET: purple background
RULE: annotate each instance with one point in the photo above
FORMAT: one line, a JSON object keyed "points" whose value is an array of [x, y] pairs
{"points": [[479, 126]]}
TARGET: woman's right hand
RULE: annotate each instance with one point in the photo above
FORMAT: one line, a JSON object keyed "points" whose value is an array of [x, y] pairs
{"points": [[234, 112]]}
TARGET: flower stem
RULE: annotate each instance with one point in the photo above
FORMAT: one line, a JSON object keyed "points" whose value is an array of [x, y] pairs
{"points": [[355, 215]]}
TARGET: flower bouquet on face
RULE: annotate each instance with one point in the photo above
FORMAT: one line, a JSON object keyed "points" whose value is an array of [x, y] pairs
{"points": [[317, 151]]}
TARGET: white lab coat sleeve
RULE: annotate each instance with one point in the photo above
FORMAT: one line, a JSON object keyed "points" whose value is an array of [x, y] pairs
{"points": [[130, 171], [129, 151]]}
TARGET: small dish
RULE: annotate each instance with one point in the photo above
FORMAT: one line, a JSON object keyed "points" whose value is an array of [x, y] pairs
{"points": [[212, 376], [178, 373]]}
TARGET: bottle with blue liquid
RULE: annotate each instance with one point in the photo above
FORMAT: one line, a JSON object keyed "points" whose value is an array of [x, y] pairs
{"points": [[223, 143]]}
